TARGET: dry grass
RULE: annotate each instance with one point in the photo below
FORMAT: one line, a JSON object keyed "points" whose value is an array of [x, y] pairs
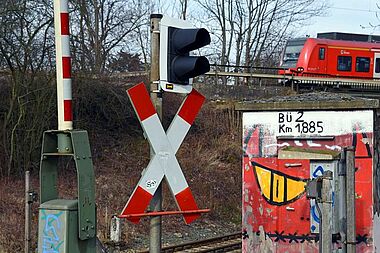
{"points": [[12, 215], [209, 156]]}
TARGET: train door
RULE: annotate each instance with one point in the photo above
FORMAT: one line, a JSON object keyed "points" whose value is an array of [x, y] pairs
{"points": [[376, 66], [322, 59]]}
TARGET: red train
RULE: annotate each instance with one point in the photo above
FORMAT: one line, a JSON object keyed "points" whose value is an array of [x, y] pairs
{"points": [[319, 57]]}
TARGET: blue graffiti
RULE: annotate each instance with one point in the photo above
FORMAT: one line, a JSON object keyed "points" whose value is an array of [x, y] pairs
{"points": [[51, 241], [314, 214], [333, 198], [313, 209], [318, 171]]}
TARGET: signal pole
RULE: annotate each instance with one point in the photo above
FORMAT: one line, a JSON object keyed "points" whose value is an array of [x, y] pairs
{"points": [[156, 97], [67, 224], [27, 211], [63, 73]]}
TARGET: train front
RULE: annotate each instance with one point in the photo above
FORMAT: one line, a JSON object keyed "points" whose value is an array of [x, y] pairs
{"points": [[290, 55]]}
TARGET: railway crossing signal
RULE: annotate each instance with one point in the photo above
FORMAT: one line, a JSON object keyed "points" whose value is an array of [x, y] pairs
{"points": [[66, 225], [165, 145], [177, 67]]}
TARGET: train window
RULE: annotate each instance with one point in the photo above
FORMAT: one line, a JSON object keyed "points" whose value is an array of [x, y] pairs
{"points": [[344, 63], [321, 53], [362, 64], [377, 65]]}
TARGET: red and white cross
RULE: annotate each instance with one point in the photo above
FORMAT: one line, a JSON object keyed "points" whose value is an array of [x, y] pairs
{"points": [[63, 62], [165, 145]]}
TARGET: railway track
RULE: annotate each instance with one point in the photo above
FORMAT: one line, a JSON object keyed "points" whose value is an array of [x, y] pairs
{"points": [[226, 243]]}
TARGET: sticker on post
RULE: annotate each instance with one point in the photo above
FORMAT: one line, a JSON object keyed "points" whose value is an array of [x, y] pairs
{"points": [[151, 184]]}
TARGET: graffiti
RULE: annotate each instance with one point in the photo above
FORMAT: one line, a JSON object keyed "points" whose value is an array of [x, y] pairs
{"points": [[275, 181], [258, 141], [301, 238], [334, 147], [277, 187], [290, 238], [315, 216], [313, 144], [250, 146], [362, 147], [362, 239], [285, 144], [245, 235], [317, 170], [51, 240]]}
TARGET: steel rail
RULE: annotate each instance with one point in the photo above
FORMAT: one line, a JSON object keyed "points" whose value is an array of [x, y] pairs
{"points": [[226, 246], [230, 241]]}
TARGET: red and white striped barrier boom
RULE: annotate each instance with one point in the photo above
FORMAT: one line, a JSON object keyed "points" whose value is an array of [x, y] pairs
{"points": [[165, 145], [63, 62]]}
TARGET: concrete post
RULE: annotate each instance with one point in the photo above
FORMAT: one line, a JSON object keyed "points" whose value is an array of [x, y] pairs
{"points": [[341, 203], [156, 97], [326, 210], [350, 197], [115, 229]]}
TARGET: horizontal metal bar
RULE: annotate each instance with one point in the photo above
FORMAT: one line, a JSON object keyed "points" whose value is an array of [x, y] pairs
{"points": [[322, 80], [164, 213], [57, 154], [255, 75], [291, 165], [247, 67]]}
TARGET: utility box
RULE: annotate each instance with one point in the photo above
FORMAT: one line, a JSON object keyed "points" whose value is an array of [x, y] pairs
{"points": [[58, 228], [287, 141]]}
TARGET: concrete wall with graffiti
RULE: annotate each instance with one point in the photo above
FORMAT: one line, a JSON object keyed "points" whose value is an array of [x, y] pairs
{"points": [[277, 217]]}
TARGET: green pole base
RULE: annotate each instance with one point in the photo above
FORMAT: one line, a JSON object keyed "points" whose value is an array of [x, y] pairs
{"points": [[64, 143]]}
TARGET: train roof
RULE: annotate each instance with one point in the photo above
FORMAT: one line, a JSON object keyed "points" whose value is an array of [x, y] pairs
{"points": [[345, 43], [349, 36]]}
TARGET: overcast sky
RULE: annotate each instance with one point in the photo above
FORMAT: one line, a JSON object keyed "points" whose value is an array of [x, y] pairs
{"points": [[351, 16], [347, 16]]}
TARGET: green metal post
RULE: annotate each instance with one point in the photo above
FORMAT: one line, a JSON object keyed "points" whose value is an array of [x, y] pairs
{"points": [[67, 226], [64, 143]]}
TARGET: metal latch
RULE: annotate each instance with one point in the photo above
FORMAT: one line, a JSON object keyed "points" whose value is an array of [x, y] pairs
{"points": [[32, 197]]}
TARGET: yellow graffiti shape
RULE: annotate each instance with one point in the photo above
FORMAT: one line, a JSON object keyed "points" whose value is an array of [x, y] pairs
{"points": [[276, 187], [295, 189]]}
